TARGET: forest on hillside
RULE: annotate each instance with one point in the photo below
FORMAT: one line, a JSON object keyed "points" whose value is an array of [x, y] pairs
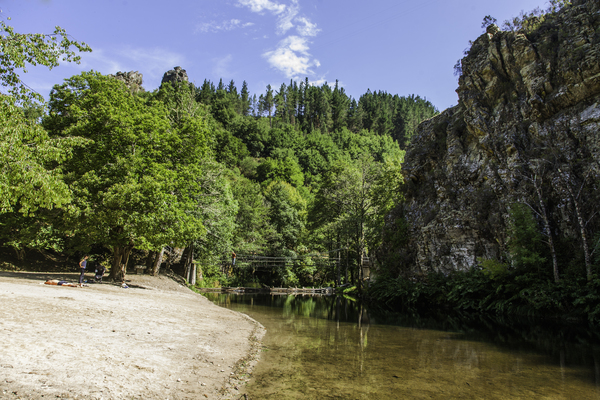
{"points": [[303, 178], [125, 175]]}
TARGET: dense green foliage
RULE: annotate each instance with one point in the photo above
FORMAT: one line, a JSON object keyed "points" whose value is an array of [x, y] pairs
{"points": [[475, 291], [122, 173]]}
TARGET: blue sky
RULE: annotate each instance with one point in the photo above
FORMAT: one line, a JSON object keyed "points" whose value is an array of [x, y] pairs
{"points": [[398, 46]]}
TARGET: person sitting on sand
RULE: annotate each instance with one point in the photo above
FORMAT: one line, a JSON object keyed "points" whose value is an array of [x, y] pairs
{"points": [[60, 283], [99, 272]]}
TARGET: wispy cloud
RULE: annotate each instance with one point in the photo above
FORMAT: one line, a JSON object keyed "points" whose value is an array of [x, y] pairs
{"points": [[152, 62], [221, 26], [99, 60], [261, 5], [306, 28], [221, 65], [322, 81], [285, 21]]}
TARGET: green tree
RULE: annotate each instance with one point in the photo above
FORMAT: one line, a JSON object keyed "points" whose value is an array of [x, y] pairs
{"points": [[20, 50], [524, 240], [30, 172], [287, 214], [252, 228], [245, 100], [138, 184], [487, 21], [347, 196], [268, 102], [283, 167], [218, 209]]}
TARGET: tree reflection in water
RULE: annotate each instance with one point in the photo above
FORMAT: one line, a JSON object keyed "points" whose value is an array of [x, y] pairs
{"points": [[334, 347]]}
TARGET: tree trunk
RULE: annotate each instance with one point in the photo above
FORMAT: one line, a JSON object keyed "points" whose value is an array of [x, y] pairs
{"points": [[188, 267], [118, 268], [339, 269], [586, 250], [538, 190], [150, 261], [360, 249], [347, 261], [198, 272], [20, 253], [157, 262], [193, 275]]}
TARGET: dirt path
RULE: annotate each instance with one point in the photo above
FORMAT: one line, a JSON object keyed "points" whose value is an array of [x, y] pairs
{"points": [[153, 340]]}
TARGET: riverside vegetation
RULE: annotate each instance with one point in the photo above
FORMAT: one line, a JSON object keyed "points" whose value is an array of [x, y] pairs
{"points": [[489, 206]]}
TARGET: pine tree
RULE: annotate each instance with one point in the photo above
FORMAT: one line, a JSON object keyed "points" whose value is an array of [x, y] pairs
{"points": [[245, 99], [267, 103]]}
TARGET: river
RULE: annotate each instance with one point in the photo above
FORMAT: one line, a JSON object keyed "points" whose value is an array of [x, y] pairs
{"points": [[334, 348]]}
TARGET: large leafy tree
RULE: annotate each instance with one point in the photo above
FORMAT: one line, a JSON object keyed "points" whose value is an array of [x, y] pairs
{"points": [[29, 173], [137, 185], [30, 161]]}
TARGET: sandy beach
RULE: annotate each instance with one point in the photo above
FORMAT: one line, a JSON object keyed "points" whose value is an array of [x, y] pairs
{"points": [[155, 339]]}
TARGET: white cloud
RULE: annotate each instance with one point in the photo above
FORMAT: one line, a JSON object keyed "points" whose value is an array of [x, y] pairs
{"points": [[321, 82], [291, 57], [308, 28], [285, 21], [260, 5], [285, 13], [223, 26]]}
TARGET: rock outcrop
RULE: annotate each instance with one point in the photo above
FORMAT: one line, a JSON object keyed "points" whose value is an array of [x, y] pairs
{"points": [[133, 80], [175, 75], [527, 128]]}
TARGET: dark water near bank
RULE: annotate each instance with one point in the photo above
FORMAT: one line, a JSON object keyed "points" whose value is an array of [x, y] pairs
{"points": [[333, 348]]}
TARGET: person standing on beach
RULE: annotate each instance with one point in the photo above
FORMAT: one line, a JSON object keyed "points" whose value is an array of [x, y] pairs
{"points": [[82, 266]]}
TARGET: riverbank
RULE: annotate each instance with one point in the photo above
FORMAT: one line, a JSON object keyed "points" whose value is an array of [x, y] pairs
{"points": [[513, 293], [155, 339]]}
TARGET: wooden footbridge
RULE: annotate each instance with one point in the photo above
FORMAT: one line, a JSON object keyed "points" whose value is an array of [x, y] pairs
{"points": [[326, 291]]}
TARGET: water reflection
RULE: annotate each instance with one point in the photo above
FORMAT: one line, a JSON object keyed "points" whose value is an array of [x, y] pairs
{"points": [[334, 348]]}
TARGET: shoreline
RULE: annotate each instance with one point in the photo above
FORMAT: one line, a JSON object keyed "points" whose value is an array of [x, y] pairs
{"points": [[156, 339]]}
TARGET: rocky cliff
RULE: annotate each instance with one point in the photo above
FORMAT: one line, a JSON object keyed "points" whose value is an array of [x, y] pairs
{"points": [[526, 130], [175, 75], [133, 80]]}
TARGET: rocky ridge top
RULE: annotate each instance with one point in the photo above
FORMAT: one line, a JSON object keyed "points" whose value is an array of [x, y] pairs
{"points": [[175, 75], [133, 80]]}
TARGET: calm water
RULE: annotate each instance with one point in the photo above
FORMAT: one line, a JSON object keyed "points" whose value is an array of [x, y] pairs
{"points": [[328, 348]]}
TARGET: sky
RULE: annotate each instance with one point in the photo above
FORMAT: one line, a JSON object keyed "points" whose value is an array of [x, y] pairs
{"points": [[397, 46]]}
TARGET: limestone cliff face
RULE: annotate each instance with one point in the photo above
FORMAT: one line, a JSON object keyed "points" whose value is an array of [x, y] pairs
{"points": [[528, 117]]}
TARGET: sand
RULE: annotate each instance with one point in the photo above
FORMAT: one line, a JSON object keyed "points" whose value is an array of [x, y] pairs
{"points": [[154, 340]]}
